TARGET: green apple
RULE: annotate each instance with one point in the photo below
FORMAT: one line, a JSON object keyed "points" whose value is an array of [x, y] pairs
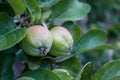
{"points": [[38, 41], [62, 41]]}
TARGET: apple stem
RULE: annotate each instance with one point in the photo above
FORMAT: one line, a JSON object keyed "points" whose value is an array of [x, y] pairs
{"points": [[61, 59], [44, 24], [49, 57]]}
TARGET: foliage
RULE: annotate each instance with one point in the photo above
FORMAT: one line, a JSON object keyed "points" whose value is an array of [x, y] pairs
{"points": [[16, 16]]}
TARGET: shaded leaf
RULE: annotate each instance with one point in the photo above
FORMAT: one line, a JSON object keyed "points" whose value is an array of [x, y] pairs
{"points": [[41, 74], [10, 39], [86, 72], [115, 29], [5, 7], [74, 68], [108, 71], [6, 24], [21, 56], [46, 63], [6, 63]]}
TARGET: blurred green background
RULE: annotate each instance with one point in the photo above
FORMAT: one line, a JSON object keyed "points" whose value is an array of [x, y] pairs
{"points": [[104, 14]]}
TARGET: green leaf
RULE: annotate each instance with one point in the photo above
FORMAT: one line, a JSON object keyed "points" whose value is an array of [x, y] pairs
{"points": [[21, 56], [17, 5], [45, 15], [108, 71], [47, 3], [33, 65], [63, 74], [5, 7], [86, 72], [34, 10], [6, 63], [25, 78], [115, 29], [13, 49], [91, 40], [46, 63], [10, 39], [41, 74], [74, 79], [69, 10], [6, 24], [115, 78], [75, 30], [106, 46], [74, 68]]}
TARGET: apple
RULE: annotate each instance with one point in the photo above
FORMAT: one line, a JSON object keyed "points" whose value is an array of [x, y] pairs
{"points": [[62, 41], [38, 41]]}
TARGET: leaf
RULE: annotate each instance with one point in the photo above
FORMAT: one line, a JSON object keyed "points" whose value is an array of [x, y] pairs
{"points": [[21, 56], [75, 30], [10, 39], [86, 72], [25, 78], [74, 68], [17, 5], [108, 71], [115, 29], [106, 46], [91, 40], [45, 15], [47, 3], [69, 10], [63, 74], [6, 63], [33, 65], [74, 79], [6, 24], [13, 49], [115, 78], [41, 74], [5, 7], [46, 63], [34, 10]]}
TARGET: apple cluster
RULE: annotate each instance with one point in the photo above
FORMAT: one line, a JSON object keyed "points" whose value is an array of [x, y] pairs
{"points": [[41, 41]]}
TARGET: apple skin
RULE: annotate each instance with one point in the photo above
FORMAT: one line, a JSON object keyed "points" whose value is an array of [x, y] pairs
{"points": [[38, 41], [62, 41]]}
